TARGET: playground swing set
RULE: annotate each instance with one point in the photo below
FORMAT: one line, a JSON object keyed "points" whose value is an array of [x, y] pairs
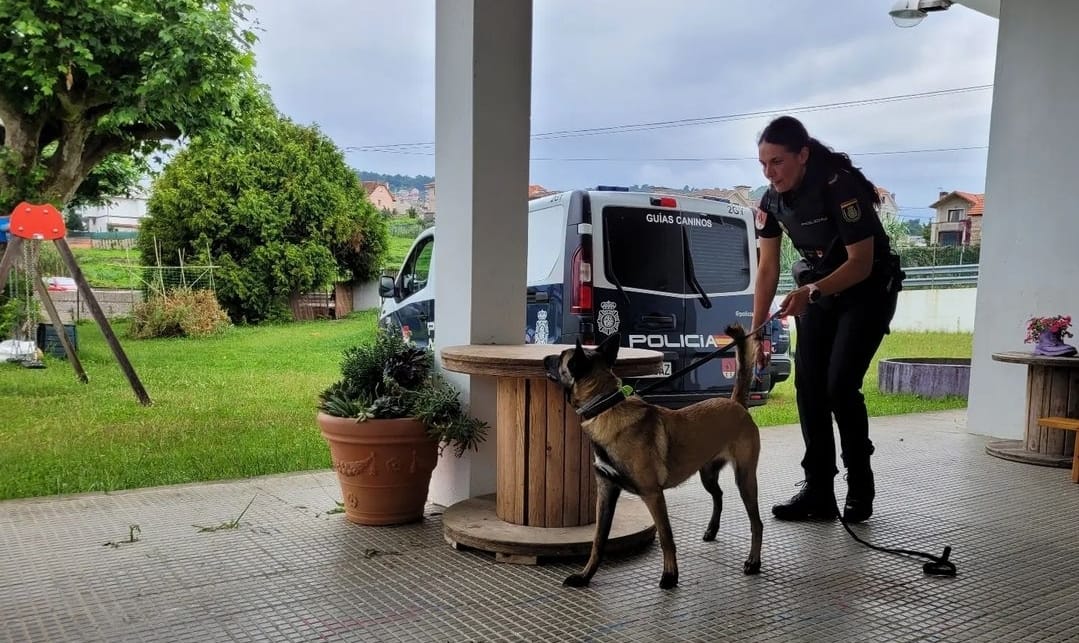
{"points": [[27, 227]]}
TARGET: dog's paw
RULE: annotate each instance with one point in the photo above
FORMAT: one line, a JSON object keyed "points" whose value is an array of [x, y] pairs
{"points": [[751, 566], [710, 534], [669, 580], [576, 580]]}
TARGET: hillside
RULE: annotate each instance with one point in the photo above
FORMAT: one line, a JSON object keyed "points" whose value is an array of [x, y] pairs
{"points": [[397, 181]]}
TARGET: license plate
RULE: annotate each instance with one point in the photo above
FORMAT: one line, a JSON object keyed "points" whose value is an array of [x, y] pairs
{"points": [[665, 370]]}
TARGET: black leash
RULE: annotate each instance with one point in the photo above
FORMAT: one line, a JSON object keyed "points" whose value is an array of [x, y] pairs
{"points": [[590, 411], [937, 565]]}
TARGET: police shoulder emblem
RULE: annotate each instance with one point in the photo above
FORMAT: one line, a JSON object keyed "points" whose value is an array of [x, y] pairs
{"points": [[851, 211], [761, 218], [607, 318]]}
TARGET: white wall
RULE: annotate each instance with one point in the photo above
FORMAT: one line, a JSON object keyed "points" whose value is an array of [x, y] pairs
{"points": [[119, 212], [945, 310], [365, 295], [949, 311], [1028, 259]]}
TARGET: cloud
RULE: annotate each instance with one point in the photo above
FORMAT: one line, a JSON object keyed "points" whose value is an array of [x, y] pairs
{"points": [[365, 73]]}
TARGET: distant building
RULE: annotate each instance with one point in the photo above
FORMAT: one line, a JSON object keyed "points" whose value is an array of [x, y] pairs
{"points": [[121, 214], [959, 219], [379, 194]]}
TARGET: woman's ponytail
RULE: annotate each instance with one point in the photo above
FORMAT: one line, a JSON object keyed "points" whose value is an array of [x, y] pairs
{"points": [[840, 161], [792, 135]]}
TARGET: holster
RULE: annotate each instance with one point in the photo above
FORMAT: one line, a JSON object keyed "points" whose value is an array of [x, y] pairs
{"points": [[803, 272]]}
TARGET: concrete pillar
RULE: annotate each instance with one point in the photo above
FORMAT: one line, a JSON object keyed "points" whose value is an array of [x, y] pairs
{"points": [[1030, 231], [483, 81]]}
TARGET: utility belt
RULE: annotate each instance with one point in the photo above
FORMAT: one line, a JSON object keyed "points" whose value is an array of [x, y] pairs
{"points": [[887, 275]]}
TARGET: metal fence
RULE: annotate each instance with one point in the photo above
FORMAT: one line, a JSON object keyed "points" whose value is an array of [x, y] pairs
{"points": [[922, 277], [406, 228], [106, 240]]}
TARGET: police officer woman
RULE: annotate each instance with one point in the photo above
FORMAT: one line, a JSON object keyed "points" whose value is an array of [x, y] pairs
{"points": [[847, 284]]}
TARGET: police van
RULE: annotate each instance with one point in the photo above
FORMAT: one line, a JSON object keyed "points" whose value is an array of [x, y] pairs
{"points": [[667, 272]]}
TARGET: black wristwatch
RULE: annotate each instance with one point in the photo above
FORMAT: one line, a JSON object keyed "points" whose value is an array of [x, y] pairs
{"points": [[814, 293]]}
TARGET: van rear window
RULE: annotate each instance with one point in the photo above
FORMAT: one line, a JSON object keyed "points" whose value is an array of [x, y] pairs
{"points": [[644, 250]]}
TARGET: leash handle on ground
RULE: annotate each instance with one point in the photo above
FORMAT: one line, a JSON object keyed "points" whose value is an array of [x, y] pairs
{"points": [[937, 565]]}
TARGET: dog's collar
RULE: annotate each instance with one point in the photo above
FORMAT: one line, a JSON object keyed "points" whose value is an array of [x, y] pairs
{"points": [[605, 403]]}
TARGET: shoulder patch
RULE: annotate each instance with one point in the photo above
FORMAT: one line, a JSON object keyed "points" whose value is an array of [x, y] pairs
{"points": [[761, 219], [851, 211]]}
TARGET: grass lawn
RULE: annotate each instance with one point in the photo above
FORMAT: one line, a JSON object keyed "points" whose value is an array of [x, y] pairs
{"points": [[238, 405], [398, 249], [781, 409], [106, 268], [103, 268]]}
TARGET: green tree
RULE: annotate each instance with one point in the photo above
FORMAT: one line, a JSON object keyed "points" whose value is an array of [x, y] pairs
{"points": [[115, 176], [915, 228], [91, 80], [277, 208]]}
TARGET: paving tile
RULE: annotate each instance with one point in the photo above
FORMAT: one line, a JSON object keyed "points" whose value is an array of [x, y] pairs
{"points": [[291, 571]]}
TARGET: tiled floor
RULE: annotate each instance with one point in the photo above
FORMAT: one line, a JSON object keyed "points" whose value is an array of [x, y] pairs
{"points": [[291, 572]]}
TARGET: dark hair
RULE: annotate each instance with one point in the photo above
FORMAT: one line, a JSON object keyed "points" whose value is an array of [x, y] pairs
{"points": [[792, 135]]}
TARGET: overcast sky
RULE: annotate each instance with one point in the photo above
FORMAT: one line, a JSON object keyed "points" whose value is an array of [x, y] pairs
{"points": [[364, 71]]}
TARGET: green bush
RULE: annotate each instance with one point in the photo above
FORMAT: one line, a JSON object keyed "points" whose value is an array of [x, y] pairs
{"points": [[939, 255], [391, 378], [10, 315], [181, 312]]}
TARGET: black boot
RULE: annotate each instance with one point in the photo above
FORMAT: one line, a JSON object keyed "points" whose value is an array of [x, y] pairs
{"points": [[815, 500], [860, 495]]}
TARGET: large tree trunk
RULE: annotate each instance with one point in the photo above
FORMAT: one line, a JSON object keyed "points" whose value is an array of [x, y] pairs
{"points": [[79, 149], [22, 137]]}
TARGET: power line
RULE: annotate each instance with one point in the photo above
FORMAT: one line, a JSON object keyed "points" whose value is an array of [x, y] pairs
{"points": [[702, 159], [704, 120]]}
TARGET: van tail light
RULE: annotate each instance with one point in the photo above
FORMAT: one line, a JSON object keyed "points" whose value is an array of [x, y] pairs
{"points": [[582, 279]]}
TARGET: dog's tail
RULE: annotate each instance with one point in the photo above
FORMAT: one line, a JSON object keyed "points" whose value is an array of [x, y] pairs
{"points": [[745, 361]]}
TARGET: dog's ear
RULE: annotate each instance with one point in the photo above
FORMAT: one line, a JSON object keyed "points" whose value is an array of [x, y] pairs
{"points": [[608, 349], [578, 363]]}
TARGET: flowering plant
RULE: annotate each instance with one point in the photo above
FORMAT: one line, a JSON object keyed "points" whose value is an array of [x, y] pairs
{"points": [[1057, 325]]}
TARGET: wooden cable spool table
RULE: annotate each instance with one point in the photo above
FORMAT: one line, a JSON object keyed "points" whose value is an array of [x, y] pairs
{"points": [[545, 499], [1052, 390]]}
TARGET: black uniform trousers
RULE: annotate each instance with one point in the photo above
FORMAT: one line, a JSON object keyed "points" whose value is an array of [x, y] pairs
{"points": [[837, 338]]}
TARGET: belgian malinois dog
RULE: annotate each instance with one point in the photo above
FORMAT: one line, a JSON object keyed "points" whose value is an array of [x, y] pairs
{"points": [[644, 449]]}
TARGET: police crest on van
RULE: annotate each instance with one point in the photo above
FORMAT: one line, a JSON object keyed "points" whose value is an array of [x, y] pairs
{"points": [[607, 318]]}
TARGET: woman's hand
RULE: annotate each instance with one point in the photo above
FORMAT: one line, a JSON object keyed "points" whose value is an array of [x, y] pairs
{"points": [[796, 302]]}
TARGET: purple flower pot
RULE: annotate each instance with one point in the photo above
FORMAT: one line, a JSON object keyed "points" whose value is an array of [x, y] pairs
{"points": [[1050, 343]]}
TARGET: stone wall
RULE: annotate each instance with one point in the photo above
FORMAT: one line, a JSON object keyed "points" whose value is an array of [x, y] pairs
{"points": [[114, 303]]}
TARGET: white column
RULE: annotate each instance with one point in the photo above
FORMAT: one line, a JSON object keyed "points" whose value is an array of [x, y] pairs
{"points": [[1030, 231], [483, 81]]}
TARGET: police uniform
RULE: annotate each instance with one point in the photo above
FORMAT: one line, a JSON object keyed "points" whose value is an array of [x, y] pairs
{"points": [[838, 334]]}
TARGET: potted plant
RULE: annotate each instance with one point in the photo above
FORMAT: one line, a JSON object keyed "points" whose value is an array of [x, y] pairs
{"points": [[1048, 333], [387, 420]]}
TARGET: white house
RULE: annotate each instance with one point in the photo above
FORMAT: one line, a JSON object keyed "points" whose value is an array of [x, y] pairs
{"points": [[120, 214]]}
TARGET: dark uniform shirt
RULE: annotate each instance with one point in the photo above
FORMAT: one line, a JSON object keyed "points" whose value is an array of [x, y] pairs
{"points": [[828, 211]]}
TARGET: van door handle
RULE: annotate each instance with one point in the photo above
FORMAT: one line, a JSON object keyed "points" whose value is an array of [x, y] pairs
{"points": [[657, 321], [537, 297]]}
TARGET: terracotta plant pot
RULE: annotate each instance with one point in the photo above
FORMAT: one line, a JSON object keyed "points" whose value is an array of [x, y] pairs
{"points": [[384, 467]]}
